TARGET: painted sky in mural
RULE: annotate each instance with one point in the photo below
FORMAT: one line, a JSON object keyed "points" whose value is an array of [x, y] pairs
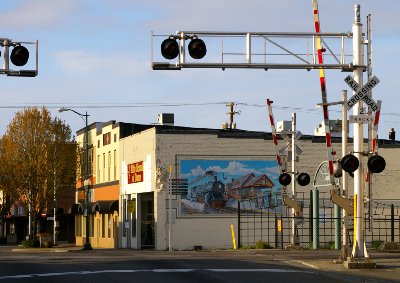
{"points": [[216, 185]]}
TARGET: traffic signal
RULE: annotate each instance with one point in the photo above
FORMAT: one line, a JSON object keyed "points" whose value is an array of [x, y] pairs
{"points": [[303, 179], [170, 48], [197, 48], [349, 163], [376, 164], [19, 55]]}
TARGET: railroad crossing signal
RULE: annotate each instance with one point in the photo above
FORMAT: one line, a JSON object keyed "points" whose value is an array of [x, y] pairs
{"points": [[350, 163], [303, 179], [362, 93]]}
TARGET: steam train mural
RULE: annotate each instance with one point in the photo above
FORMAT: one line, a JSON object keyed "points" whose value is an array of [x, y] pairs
{"points": [[212, 192], [215, 186]]}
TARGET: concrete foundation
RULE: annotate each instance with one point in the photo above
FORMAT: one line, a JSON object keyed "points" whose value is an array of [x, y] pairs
{"points": [[359, 263]]}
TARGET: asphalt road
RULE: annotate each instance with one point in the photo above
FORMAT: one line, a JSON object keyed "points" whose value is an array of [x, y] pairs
{"points": [[146, 266]]}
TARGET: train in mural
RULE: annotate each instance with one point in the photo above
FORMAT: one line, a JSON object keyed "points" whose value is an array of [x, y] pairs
{"points": [[212, 192]]}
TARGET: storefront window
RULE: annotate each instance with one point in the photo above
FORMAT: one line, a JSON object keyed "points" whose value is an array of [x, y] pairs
{"points": [[78, 225], [103, 226]]}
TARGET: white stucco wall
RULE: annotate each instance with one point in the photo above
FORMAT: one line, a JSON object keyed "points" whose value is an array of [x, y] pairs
{"points": [[210, 232]]}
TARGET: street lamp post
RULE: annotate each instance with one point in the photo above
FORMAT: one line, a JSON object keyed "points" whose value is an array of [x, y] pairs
{"points": [[87, 245]]}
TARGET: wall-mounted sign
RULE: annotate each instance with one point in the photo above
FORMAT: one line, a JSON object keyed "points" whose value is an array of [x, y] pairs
{"points": [[135, 172], [131, 206]]}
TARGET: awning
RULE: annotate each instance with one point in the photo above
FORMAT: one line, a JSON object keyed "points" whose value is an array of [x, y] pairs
{"points": [[76, 208], [105, 206]]}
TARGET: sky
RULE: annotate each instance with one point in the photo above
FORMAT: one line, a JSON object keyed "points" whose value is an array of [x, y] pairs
{"points": [[95, 56]]}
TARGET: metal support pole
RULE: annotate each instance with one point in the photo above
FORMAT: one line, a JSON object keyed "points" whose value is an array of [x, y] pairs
{"points": [[345, 177], [315, 219], [6, 55], [87, 245], [169, 209], [293, 238], [359, 250], [55, 209], [248, 48], [336, 211], [239, 231], [392, 223]]}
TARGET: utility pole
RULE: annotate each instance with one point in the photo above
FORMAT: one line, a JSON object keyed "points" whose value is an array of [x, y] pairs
{"points": [[231, 113]]}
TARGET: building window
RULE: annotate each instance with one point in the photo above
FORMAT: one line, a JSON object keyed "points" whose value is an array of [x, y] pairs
{"points": [[106, 138], [98, 169], [115, 137], [104, 167], [109, 166], [78, 225], [91, 225], [109, 225], [103, 226], [90, 167], [115, 165], [98, 144]]}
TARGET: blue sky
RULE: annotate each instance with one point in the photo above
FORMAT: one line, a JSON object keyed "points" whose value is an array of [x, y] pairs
{"points": [[97, 53]]}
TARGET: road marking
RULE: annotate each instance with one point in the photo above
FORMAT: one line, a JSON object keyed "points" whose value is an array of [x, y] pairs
{"points": [[86, 272]]}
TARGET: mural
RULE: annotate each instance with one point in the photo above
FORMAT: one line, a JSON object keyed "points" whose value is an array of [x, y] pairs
{"points": [[215, 186]]}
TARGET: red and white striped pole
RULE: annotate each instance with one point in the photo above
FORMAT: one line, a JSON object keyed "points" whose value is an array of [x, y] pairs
{"points": [[273, 131], [330, 152], [374, 135], [375, 128]]}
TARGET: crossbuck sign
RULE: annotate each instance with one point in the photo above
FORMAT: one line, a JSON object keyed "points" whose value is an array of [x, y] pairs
{"points": [[361, 93]]}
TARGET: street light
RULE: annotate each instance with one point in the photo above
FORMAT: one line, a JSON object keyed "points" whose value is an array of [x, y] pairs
{"points": [[87, 245]]}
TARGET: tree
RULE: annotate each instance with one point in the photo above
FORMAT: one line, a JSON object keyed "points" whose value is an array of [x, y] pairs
{"points": [[38, 158]]}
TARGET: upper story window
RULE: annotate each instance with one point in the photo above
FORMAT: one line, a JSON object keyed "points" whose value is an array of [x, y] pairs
{"points": [[107, 138]]}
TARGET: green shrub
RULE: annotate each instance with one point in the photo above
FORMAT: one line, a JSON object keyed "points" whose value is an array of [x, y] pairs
{"points": [[246, 247], [262, 245], [30, 243], [375, 244]]}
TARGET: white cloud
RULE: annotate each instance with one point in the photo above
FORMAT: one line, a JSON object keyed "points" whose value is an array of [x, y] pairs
{"points": [[38, 13], [198, 171]]}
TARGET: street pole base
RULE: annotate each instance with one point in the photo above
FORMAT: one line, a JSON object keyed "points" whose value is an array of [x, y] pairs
{"points": [[87, 247], [344, 253], [359, 263]]}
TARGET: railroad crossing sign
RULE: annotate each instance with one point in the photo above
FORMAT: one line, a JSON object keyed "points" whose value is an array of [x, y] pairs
{"points": [[288, 141], [361, 93], [361, 119]]}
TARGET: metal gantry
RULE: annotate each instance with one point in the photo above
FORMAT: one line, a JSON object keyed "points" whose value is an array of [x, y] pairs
{"points": [[262, 49]]}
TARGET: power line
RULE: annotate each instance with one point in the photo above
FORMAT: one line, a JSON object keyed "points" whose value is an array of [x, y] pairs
{"points": [[52, 105]]}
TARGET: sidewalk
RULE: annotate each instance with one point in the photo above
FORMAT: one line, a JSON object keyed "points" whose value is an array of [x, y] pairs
{"points": [[387, 267]]}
